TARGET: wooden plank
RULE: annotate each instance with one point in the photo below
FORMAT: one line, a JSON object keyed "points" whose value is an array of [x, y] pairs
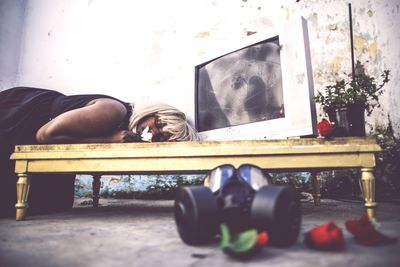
{"points": [[199, 164], [187, 149]]}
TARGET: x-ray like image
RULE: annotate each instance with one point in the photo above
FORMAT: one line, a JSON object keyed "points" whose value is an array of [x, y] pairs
{"points": [[241, 87]]}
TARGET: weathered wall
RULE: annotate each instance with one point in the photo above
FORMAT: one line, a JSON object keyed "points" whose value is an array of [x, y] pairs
{"points": [[12, 14], [376, 43], [147, 49]]}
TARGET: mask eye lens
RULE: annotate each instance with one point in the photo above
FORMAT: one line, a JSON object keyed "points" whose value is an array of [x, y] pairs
{"points": [[219, 176], [254, 176]]}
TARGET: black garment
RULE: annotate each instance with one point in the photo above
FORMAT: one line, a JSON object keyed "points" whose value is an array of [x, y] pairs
{"points": [[23, 110]]}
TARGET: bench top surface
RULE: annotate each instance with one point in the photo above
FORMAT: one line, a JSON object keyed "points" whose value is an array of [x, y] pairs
{"points": [[198, 148]]}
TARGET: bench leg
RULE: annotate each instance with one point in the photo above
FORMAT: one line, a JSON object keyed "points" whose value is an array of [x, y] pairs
{"points": [[96, 189], [23, 185], [316, 176], [367, 182]]}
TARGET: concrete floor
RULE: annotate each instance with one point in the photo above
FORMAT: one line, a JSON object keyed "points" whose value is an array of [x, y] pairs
{"points": [[142, 233]]}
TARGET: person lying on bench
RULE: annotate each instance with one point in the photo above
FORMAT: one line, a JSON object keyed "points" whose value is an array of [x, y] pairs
{"points": [[40, 116]]}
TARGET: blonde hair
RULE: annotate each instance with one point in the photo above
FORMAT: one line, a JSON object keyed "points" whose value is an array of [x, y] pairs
{"points": [[174, 120]]}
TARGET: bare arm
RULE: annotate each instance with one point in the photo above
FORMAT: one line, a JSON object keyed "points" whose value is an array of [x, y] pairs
{"points": [[95, 123]]}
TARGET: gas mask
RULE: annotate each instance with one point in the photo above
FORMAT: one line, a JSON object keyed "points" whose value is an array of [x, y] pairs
{"points": [[234, 190], [241, 198]]}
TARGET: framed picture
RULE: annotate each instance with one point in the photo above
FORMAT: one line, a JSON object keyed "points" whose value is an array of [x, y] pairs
{"points": [[261, 90]]}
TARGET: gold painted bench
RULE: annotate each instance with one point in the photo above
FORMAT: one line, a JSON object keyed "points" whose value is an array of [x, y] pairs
{"points": [[308, 154]]}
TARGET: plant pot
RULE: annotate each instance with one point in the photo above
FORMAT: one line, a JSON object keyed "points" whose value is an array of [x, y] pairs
{"points": [[349, 121]]}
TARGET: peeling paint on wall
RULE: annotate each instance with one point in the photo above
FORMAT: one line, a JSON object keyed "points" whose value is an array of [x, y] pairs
{"points": [[360, 45], [366, 48], [373, 51], [336, 64], [202, 35]]}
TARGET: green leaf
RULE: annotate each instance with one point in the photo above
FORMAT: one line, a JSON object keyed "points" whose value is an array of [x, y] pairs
{"points": [[225, 236], [244, 241]]}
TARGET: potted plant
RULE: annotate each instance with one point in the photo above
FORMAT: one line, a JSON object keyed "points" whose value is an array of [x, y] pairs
{"points": [[348, 100]]}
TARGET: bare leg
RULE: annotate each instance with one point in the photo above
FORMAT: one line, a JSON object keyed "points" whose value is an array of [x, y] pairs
{"points": [[367, 182], [96, 189], [23, 185], [316, 175]]}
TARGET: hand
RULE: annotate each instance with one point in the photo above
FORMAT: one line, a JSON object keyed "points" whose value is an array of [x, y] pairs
{"points": [[124, 136]]}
